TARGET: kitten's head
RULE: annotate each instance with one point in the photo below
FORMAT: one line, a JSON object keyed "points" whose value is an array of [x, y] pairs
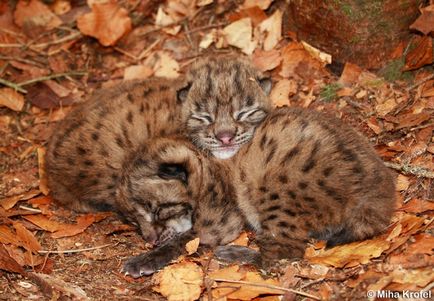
{"points": [[155, 189], [223, 102]]}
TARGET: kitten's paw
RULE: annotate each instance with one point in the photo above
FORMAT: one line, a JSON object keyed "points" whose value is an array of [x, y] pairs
{"points": [[147, 263], [238, 254], [141, 265]]}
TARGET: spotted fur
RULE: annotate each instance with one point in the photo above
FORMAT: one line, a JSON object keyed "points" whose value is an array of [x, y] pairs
{"points": [[224, 101], [303, 175]]}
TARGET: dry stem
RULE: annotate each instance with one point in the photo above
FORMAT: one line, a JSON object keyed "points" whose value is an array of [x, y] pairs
{"points": [[267, 286]]}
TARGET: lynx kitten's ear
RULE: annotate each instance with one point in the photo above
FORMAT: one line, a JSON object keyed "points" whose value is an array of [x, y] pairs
{"points": [[266, 84], [183, 92], [173, 171]]}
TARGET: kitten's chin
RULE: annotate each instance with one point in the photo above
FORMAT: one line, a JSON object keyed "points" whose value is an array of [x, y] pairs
{"points": [[225, 152]]}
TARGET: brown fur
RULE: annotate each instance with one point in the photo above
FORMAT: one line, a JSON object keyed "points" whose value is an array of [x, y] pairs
{"points": [[303, 175], [224, 95], [88, 149]]}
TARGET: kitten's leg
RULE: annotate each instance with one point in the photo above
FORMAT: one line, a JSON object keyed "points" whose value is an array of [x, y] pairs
{"points": [[238, 254], [271, 250], [150, 262]]}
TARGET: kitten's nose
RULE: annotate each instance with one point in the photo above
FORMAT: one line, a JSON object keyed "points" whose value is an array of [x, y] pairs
{"points": [[225, 137]]}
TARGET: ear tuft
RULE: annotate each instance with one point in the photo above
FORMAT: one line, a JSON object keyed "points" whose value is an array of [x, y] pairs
{"points": [[173, 171], [266, 85], [182, 93]]}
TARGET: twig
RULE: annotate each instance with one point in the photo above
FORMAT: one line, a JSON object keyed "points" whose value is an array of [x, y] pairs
{"points": [[59, 41], [210, 26], [30, 209], [12, 85], [420, 82], [73, 251], [18, 59], [48, 77], [267, 286], [415, 170]]}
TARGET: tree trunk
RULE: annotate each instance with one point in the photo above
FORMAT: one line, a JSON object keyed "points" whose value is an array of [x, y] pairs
{"points": [[362, 32]]}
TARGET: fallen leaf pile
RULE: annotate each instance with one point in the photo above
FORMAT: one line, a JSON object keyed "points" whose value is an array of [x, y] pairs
{"points": [[54, 54]]}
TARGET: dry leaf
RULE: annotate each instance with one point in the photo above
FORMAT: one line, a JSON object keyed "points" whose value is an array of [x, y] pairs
{"points": [[107, 22], [239, 34], [229, 273], [137, 72], [318, 54], [9, 202], [402, 183], [417, 206], [255, 14], [192, 245], [296, 60], [410, 119], [420, 56], [242, 240], [43, 180], [26, 238], [350, 74], [425, 22], [262, 4], [35, 13], [242, 291], [203, 2], [11, 99], [349, 255], [208, 39], [9, 264], [281, 92], [272, 26], [82, 223], [61, 7], [181, 281], [43, 222], [7, 236], [166, 66], [266, 60], [386, 107], [165, 20]]}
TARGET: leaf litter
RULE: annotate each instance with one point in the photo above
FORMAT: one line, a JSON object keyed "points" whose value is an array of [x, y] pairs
{"points": [[47, 251]]}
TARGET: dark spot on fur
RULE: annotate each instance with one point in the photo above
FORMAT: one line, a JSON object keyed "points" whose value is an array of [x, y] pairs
{"points": [[130, 117], [274, 196], [289, 212], [283, 179], [263, 189], [88, 163], [291, 194], [273, 208], [327, 171], [271, 217], [95, 136], [82, 175], [320, 183], [291, 154], [302, 185], [130, 98], [207, 222], [309, 199], [80, 150], [147, 92], [119, 142], [283, 224]]}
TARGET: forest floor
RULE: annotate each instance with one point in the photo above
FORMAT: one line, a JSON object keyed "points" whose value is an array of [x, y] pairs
{"points": [[49, 63]]}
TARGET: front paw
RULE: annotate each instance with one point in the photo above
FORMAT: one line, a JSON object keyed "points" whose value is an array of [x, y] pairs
{"points": [[238, 254]]}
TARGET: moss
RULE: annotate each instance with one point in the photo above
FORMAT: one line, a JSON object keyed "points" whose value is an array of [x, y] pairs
{"points": [[329, 92], [392, 71]]}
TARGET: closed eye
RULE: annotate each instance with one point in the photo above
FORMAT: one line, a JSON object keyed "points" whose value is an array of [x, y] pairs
{"points": [[203, 117], [253, 114]]}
